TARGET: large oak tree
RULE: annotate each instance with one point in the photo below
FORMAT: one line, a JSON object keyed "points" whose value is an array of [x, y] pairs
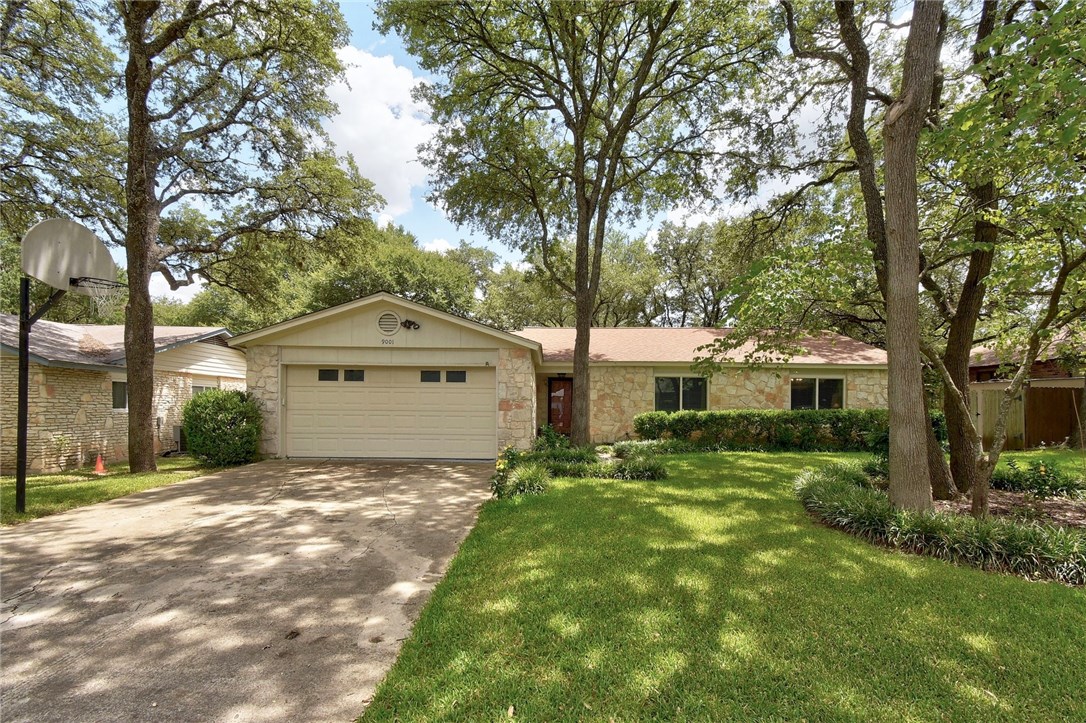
{"points": [[558, 120], [223, 161]]}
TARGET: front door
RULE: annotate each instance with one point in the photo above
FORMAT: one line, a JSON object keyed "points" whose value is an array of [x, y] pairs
{"points": [[560, 404]]}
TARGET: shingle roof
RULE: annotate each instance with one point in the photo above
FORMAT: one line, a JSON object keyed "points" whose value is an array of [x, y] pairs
{"points": [[93, 344], [680, 344]]}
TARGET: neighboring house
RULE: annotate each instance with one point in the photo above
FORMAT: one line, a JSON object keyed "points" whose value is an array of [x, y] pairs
{"points": [[79, 392], [386, 377], [1048, 409]]}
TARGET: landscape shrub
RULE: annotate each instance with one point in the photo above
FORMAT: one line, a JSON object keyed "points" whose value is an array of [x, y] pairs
{"points": [[654, 446], [640, 466], [1038, 478], [223, 427], [825, 430], [574, 462], [838, 497], [529, 478], [548, 438]]}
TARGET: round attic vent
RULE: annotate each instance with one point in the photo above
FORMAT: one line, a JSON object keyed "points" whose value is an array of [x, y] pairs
{"points": [[388, 323]]}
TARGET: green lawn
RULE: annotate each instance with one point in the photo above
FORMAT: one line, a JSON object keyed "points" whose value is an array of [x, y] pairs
{"points": [[711, 596], [48, 494]]}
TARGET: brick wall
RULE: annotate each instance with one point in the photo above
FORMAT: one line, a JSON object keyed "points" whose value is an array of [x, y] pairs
{"points": [[71, 415]]}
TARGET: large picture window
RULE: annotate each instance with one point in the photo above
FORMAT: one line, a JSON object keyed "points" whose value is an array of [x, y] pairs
{"points": [[675, 393], [818, 393]]}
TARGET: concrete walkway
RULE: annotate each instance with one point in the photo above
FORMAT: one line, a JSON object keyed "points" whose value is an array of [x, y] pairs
{"points": [[278, 591]]}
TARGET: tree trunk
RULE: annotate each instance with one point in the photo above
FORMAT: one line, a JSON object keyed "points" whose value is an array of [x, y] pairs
{"points": [[140, 241], [963, 326], [942, 484], [910, 481], [1080, 423], [979, 504]]}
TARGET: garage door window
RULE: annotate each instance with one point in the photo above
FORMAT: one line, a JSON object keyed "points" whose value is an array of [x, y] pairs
{"points": [[431, 376], [328, 375], [456, 376], [354, 375]]}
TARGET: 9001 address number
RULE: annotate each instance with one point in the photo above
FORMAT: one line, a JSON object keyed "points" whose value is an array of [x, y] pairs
{"points": [[388, 342]]}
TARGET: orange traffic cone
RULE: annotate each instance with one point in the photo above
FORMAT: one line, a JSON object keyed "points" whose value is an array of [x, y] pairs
{"points": [[100, 466]]}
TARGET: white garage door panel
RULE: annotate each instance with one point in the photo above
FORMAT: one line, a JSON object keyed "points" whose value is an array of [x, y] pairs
{"points": [[391, 414]]}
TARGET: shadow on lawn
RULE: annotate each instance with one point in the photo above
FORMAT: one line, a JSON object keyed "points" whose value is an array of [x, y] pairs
{"points": [[712, 596]]}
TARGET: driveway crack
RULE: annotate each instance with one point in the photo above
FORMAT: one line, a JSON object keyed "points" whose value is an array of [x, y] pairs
{"points": [[32, 588]]}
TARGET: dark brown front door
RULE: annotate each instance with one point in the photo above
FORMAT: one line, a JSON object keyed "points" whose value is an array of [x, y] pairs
{"points": [[560, 404]]}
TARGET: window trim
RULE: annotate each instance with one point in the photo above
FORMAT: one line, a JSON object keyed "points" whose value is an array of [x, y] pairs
{"points": [[818, 379], [681, 378]]}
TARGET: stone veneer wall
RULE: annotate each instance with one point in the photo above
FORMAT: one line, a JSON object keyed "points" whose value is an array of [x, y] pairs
{"points": [[867, 388], [516, 398], [262, 379], [72, 418], [749, 389], [618, 394]]}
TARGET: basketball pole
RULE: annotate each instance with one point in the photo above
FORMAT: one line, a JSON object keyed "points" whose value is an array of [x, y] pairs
{"points": [[26, 320]]}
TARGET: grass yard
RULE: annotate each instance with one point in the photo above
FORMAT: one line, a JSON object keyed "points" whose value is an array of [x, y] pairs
{"points": [[48, 494], [1072, 460], [712, 596]]}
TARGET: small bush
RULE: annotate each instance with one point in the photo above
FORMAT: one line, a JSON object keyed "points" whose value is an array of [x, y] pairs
{"points": [[564, 454], [548, 439], [836, 496], [641, 466], [223, 427], [530, 478], [1038, 478]]}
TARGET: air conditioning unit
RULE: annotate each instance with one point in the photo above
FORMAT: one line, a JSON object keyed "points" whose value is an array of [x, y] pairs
{"points": [[180, 441]]}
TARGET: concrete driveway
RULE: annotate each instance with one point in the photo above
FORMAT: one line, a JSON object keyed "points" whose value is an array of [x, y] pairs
{"points": [[277, 591]]}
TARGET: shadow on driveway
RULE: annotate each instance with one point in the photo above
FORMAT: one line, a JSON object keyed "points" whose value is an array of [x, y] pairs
{"points": [[277, 591]]}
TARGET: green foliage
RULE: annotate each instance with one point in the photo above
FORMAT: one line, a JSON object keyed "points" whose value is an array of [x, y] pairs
{"points": [[393, 262], [805, 429], [641, 466], [223, 427], [1039, 478], [838, 496], [548, 439], [530, 478]]}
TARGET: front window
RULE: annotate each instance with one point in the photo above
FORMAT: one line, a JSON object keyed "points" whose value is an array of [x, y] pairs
{"points": [[675, 393], [817, 393]]}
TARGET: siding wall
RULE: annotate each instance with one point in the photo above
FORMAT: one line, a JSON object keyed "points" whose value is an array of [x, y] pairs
{"points": [[203, 359]]}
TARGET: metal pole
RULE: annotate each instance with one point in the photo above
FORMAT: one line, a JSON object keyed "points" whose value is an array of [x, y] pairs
{"points": [[24, 393]]}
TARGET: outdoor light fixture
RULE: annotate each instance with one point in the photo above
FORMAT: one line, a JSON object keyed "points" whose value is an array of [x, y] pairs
{"points": [[408, 324]]}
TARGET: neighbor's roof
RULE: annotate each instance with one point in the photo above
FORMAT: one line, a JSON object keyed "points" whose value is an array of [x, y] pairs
{"points": [[680, 345], [92, 345], [983, 356]]}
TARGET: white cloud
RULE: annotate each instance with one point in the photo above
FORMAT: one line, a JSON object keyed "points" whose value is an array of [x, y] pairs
{"points": [[160, 287], [438, 244], [381, 125]]}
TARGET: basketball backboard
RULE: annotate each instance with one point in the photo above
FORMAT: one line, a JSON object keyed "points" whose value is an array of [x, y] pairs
{"points": [[57, 250]]}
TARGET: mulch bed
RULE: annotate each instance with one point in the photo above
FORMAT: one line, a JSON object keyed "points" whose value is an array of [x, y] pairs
{"points": [[1055, 510]]}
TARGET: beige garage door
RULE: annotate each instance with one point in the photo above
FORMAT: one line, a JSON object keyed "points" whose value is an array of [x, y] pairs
{"points": [[398, 412]]}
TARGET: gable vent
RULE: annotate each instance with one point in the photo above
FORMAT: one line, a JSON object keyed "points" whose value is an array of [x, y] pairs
{"points": [[388, 323]]}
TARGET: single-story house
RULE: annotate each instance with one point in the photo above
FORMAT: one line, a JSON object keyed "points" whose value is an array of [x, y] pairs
{"points": [[79, 392], [385, 377], [1048, 410]]}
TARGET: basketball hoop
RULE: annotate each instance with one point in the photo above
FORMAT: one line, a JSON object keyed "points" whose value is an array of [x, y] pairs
{"points": [[106, 294]]}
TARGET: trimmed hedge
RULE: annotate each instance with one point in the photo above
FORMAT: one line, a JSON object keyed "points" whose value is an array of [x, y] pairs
{"points": [[845, 430], [575, 462], [841, 496], [223, 427]]}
